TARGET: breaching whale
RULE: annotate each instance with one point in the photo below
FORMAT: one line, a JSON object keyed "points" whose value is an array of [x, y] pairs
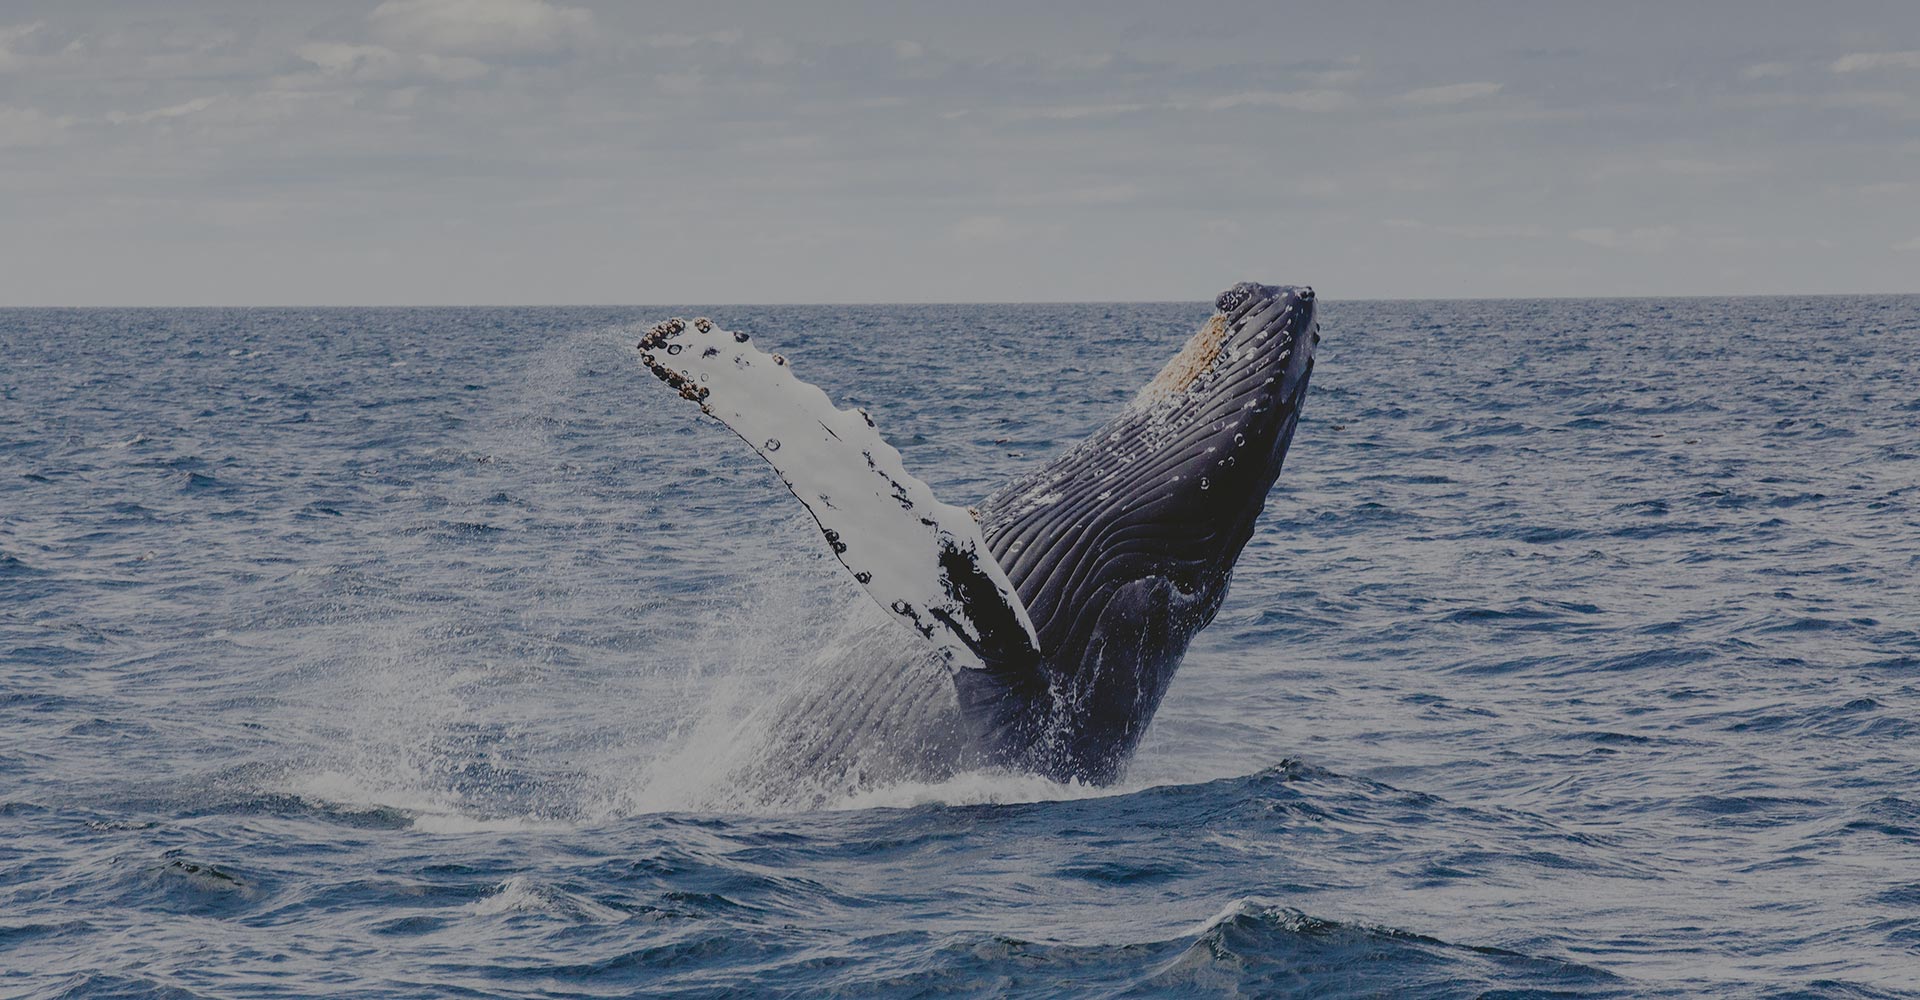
{"points": [[1039, 631]]}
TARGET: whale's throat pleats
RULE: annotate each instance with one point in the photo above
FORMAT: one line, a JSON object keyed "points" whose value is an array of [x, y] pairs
{"points": [[1122, 548]]}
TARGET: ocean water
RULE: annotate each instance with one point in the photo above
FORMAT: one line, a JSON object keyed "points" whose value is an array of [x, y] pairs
{"points": [[392, 653]]}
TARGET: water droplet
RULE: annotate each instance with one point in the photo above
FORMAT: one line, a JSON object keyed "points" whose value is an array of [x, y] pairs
{"points": [[863, 577], [1239, 439], [673, 348], [773, 444], [1205, 483], [739, 337]]}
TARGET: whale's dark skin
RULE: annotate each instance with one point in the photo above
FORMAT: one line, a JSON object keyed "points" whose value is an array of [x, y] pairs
{"points": [[1117, 587], [1121, 550]]}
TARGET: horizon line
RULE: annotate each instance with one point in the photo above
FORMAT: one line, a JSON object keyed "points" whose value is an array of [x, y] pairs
{"points": [[956, 302]]}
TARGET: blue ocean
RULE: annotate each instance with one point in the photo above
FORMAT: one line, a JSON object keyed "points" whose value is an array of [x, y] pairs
{"points": [[391, 653]]}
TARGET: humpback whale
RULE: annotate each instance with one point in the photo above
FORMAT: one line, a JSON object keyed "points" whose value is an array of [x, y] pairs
{"points": [[1039, 631]]}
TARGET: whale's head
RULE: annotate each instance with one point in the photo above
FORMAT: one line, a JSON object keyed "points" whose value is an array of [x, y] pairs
{"points": [[1225, 407], [1122, 548]]}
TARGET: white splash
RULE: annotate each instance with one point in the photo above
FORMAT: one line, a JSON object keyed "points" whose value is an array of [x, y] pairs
{"points": [[404, 792], [521, 894], [977, 788]]}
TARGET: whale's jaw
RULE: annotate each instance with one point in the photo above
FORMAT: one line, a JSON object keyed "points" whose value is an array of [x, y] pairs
{"points": [[1122, 548]]}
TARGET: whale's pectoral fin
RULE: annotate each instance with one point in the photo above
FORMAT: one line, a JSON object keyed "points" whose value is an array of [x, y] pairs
{"points": [[923, 560]]}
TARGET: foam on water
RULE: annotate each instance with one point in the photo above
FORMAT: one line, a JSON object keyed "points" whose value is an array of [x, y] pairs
{"points": [[973, 788], [409, 794], [522, 895]]}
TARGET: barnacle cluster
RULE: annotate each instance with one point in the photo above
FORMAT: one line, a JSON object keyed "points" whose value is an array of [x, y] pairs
{"points": [[661, 337]]}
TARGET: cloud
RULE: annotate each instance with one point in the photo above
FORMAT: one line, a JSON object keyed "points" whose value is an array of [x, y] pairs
{"points": [[1682, 166], [1855, 62], [772, 52], [1295, 100], [1073, 111], [998, 229], [1844, 100], [341, 59], [1908, 245], [1452, 93], [680, 84], [481, 27], [1313, 101], [1523, 231], [1645, 165], [1646, 239], [180, 110], [1102, 194], [1033, 148], [1766, 71], [1080, 194], [10, 35], [29, 127], [677, 40], [379, 63], [1343, 77], [984, 229]]}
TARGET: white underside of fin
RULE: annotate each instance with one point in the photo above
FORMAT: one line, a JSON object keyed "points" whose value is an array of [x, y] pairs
{"points": [[923, 560]]}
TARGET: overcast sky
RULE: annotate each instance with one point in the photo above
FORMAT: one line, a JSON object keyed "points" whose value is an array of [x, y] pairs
{"points": [[543, 151]]}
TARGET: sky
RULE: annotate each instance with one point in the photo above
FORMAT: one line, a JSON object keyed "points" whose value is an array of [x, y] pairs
{"points": [[448, 152]]}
